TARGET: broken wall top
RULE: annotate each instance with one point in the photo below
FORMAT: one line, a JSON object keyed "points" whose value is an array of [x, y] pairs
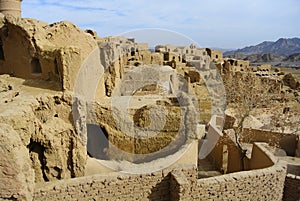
{"points": [[48, 36], [35, 49]]}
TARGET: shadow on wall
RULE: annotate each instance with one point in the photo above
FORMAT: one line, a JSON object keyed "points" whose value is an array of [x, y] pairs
{"points": [[287, 142], [98, 143], [226, 156], [289, 145], [161, 191], [293, 169], [292, 183], [42, 84]]}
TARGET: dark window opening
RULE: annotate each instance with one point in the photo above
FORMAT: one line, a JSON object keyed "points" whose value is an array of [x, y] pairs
{"points": [[217, 56], [39, 150], [56, 67], [91, 32], [166, 57], [36, 66], [132, 52], [1, 51]]}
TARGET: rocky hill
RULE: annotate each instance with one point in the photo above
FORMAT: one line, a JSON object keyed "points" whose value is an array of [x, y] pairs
{"points": [[282, 46], [259, 58], [293, 58], [268, 52], [278, 60]]}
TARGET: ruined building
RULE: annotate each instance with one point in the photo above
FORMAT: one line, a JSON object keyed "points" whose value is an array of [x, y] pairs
{"points": [[74, 106]]}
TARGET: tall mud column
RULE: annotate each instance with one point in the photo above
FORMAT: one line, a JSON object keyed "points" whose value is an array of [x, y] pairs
{"points": [[11, 7]]}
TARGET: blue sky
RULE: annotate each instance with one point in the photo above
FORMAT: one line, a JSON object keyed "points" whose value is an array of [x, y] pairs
{"points": [[216, 23]]}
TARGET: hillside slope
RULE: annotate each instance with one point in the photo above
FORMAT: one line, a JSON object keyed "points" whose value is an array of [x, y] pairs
{"points": [[282, 46]]}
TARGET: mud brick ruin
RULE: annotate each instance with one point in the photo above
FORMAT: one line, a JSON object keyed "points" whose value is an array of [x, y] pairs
{"points": [[53, 75]]}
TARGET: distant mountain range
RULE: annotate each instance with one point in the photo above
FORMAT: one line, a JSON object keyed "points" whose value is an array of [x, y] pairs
{"points": [[282, 53], [283, 46], [257, 58]]}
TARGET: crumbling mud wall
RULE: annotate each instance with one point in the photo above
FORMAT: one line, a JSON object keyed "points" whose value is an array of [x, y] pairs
{"points": [[154, 186], [43, 121], [16, 174], [34, 49], [225, 155], [285, 141], [292, 183], [235, 186], [247, 185], [291, 188], [117, 58], [179, 184], [150, 126]]}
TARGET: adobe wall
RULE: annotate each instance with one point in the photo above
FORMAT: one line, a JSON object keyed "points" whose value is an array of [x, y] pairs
{"points": [[264, 184], [243, 64], [184, 158], [233, 161], [287, 142], [292, 183], [293, 169], [291, 188], [261, 184], [136, 187], [261, 157], [216, 55], [179, 184], [34, 49], [298, 147], [154, 186]]}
